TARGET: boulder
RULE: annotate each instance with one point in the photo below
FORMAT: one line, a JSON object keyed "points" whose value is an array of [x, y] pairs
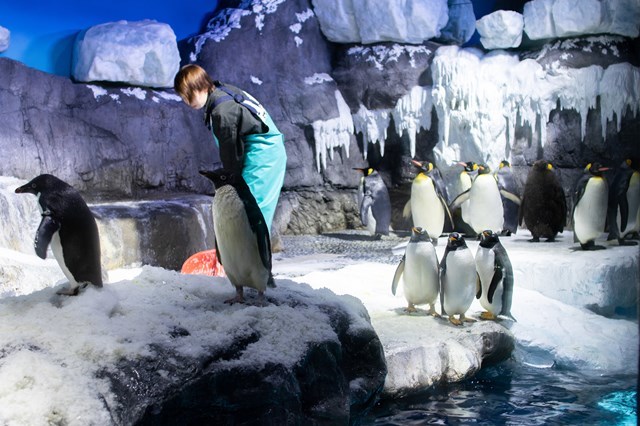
{"points": [[461, 24], [501, 29], [142, 53]]}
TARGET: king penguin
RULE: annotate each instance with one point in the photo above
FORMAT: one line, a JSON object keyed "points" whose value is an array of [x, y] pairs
{"points": [[428, 205], [419, 271], [70, 228], [375, 204], [495, 277], [510, 197], [457, 279], [463, 184], [624, 203], [485, 202], [242, 238], [591, 200], [544, 206]]}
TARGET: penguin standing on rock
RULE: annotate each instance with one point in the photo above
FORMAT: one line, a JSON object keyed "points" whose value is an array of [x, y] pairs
{"points": [[544, 207], [457, 279], [510, 198], [428, 203], [495, 276], [242, 238], [419, 272], [70, 228], [624, 203], [591, 198], [374, 203]]}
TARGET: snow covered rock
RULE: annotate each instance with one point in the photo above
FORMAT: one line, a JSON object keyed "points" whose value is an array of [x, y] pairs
{"points": [[501, 29], [461, 24], [163, 347], [5, 36], [141, 53], [371, 21], [565, 18]]}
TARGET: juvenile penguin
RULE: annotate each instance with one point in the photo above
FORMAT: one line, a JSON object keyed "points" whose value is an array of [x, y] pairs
{"points": [[242, 238], [495, 276], [462, 184], [457, 279], [70, 228], [428, 205], [544, 207], [375, 204], [624, 203], [591, 198], [510, 197], [419, 271], [485, 202]]}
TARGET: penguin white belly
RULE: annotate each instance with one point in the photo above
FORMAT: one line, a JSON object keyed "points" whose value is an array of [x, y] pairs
{"points": [[591, 212], [464, 184], [633, 201], [56, 249], [426, 208], [485, 266], [371, 222], [237, 243], [459, 282], [485, 205], [420, 275]]}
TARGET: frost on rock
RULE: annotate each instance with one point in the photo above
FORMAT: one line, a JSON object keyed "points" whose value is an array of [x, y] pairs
{"points": [[333, 133], [5, 36], [381, 55], [373, 126], [478, 111]]}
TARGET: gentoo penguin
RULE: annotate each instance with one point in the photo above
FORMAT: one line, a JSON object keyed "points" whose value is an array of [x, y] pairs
{"points": [[624, 203], [69, 226], [590, 204], [495, 276], [242, 238], [544, 207], [428, 205], [457, 279], [485, 202], [508, 190], [375, 204], [419, 271], [463, 184]]}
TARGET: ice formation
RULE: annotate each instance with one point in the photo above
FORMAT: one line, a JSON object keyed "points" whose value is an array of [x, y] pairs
{"points": [[500, 30], [333, 133], [5, 37]]}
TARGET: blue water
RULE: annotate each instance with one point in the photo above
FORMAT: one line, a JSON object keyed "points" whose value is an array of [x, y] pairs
{"points": [[511, 393]]}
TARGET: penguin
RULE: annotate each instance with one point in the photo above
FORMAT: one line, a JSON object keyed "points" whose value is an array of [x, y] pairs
{"points": [[624, 203], [544, 206], [428, 205], [485, 202], [242, 242], [591, 202], [508, 191], [374, 203], [458, 280], [462, 184], [419, 271], [495, 277], [69, 227]]}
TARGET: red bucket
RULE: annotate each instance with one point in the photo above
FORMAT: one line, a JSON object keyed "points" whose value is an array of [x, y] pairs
{"points": [[203, 263]]}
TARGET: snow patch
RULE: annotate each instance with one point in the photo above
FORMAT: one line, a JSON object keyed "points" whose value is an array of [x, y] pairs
{"points": [[255, 80], [97, 91], [5, 37], [318, 78], [136, 92]]}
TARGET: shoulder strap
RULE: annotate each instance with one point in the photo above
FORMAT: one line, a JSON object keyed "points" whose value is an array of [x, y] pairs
{"points": [[246, 101]]}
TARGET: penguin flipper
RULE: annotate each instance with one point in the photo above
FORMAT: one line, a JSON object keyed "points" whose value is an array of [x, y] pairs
{"points": [[478, 286], [457, 202], [397, 275], [367, 201], [406, 212], [510, 196], [495, 280], [448, 214], [215, 243], [48, 227]]}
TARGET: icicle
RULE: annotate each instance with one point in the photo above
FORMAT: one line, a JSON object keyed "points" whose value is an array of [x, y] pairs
{"points": [[333, 133], [413, 112], [373, 126]]}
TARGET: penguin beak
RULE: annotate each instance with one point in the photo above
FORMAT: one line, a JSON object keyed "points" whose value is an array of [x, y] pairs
{"points": [[416, 163], [604, 169]]}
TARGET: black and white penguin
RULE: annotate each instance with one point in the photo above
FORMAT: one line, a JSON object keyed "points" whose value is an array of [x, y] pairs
{"points": [[419, 271], [590, 204], [428, 202], [544, 206], [485, 202], [495, 276], [510, 197], [70, 228], [624, 203], [461, 184], [458, 279], [242, 239], [375, 204]]}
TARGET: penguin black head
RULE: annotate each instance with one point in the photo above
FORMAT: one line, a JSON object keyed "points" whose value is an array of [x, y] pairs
{"points": [[483, 169], [504, 163], [469, 166], [419, 234], [44, 182], [488, 238], [542, 165], [365, 170], [425, 167], [456, 241], [595, 169], [221, 177]]}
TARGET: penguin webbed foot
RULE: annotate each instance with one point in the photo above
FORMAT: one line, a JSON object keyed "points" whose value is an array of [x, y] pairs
{"points": [[486, 315], [239, 298], [623, 242], [591, 245], [455, 321], [68, 291], [411, 309], [535, 239]]}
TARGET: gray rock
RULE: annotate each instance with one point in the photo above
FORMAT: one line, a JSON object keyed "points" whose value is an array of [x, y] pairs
{"points": [[461, 24]]}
